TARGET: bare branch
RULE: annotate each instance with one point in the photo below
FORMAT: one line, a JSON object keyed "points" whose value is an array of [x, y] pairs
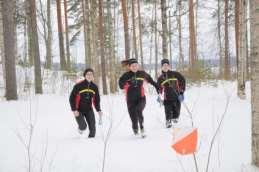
{"points": [[217, 130]]}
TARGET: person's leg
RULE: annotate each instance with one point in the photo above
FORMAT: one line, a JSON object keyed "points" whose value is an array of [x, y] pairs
{"points": [[90, 118], [140, 107], [133, 115], [81, 122], [168, 105], [176, 110]]}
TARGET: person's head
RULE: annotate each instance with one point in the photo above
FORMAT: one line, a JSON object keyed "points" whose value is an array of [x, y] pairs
{"points": [[165, 65], [133, 65], [89, 74]]}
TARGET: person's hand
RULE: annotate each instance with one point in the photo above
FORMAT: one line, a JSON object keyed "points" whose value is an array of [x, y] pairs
{"points": [[76, 113]]}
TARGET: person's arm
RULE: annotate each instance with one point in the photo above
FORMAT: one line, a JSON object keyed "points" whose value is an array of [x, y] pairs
{"points": [[72, 98], [182, 81], [152, 82], [159, 82], [123, 79], [97, 100]]}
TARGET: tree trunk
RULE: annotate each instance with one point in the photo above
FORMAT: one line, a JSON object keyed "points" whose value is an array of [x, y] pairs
{"points": [[240, 14], [115, 41], [9, 41], [151, 40], [140, 35], [15, 32], [135, 48], [60, 35], [25, 46], [2, 56], [170, 39], [179, 24], [95, 61], [49, 38], [164, 29], [156, 43], [67, 38], [86, 35], [41, 13], [126, 28], [101, 37], [227, 59], [35, 49], [219, 42], [29, 31], [192, 35], [248, 74], [238, 33], [254, 10], [88, 32], [111, 50]]}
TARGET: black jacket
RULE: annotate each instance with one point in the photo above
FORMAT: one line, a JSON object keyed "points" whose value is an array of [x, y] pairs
{"points": [[133, 84], [171, 84], [83, 95]]}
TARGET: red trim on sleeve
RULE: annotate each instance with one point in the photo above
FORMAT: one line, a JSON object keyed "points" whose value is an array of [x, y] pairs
{"points": [[126, 87], [163, 92], [177, 86], [94, 100], [142, 91], [77, 101]]}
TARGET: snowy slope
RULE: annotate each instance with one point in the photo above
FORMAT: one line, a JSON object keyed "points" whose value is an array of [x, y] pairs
{"points": [[57, 147]]}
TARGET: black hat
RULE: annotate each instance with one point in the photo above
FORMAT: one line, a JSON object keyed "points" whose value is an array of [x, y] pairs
{"points": [[88, 70], [131, 61], [128, 62], [163, 61]]}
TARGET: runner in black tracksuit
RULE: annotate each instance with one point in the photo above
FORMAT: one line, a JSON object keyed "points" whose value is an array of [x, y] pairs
{"points": [[171, 85], [132, 82], [81, 98]]}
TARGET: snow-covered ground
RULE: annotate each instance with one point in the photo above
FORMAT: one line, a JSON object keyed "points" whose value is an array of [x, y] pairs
{"points": [[57, 147]]}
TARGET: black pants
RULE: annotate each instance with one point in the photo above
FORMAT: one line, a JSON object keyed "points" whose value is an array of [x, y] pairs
{"points": [[135, 109], [172, 109], [90, 119]]}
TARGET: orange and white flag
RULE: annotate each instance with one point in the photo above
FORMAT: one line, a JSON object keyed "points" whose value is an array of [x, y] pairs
{"points": [[185, 140]]}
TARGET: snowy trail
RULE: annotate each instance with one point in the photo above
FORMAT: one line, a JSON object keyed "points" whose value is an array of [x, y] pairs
{"points": [[67, 151]]}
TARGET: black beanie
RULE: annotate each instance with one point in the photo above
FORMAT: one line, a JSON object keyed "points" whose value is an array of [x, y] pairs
{"points": [[164, 61], [88, 70]]}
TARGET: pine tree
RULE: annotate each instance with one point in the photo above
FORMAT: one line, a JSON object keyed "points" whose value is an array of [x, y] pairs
{"points": [[254, 13], [126, 28], [9, 41], [35, 47], [61, 37]]}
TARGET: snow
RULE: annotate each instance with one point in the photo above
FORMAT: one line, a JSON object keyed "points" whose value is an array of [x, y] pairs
{"points": [[57, 147]]}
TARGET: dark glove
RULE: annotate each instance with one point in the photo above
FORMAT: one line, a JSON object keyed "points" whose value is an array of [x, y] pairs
{"points": [[181, 97]]}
